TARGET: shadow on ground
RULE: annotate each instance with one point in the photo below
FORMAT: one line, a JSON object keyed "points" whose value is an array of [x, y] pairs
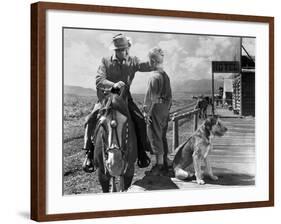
{"points": [[156, 183], [226, 178], [230, 178]]}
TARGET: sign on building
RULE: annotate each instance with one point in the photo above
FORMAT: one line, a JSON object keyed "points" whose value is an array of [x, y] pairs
{"points": [[225, 67]]}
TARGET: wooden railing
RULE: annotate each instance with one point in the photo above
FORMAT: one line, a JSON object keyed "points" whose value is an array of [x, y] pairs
{"points": [[176, 117]]}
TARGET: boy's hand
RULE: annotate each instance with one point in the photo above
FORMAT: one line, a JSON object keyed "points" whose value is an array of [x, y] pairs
{"points": [[147, 118]]}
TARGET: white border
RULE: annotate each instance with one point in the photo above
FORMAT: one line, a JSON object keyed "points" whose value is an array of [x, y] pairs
{"points": [[56, 203]]}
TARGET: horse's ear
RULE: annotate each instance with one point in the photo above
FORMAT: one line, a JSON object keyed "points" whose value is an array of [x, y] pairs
{"points": [[122, 92], [106, 102]]}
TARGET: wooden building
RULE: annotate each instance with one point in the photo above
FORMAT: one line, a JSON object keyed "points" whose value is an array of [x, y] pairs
{"points": [[243, 98]]}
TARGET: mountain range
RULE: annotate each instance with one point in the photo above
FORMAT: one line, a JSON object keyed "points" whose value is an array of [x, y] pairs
{"points": [[79, 91], [196, 86]]}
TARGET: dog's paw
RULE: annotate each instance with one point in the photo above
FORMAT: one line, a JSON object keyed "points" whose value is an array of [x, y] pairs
{"points": [[213, 177], [191, 174], [183, 174], [200, 181]]}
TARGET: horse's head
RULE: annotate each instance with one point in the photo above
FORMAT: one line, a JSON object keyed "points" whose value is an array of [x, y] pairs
{"points": [[114, 119]]}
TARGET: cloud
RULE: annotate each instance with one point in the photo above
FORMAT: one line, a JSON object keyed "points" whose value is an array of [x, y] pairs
{"points": [[105, 39], [206, 47], [170, 46], [196, 67], [173, 52], [191, 63], [140, 50], [80, 65], [186, 56], [250, 46], [218, 48], [168, 36]]}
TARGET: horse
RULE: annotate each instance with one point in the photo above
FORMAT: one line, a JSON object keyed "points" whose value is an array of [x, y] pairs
{"points": [[115, 143], [202, 104]]}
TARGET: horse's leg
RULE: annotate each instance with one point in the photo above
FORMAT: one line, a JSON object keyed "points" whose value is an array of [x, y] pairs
{"points": [[120, 186], [104, 181], [128, 177], [127, 182], [114, 187]]}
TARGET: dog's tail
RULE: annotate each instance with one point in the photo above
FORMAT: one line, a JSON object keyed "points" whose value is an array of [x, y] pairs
{"points": [[178, 151], [182, 145]]}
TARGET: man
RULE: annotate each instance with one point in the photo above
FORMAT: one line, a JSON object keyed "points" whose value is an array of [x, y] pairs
{"points": [[202, 104], [157, 103], [116, 72]]}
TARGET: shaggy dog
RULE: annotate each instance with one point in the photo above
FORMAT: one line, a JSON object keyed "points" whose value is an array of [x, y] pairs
{"points": [[196, 149]]}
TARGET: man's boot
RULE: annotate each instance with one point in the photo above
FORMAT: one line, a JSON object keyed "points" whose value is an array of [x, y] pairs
{"points": [[88, 165]]}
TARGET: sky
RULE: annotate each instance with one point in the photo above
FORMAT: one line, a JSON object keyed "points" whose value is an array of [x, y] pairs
{"points": [[187, 56]]}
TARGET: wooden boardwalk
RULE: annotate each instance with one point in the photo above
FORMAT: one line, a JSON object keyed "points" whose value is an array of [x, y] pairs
{"points": [[233, 160]]}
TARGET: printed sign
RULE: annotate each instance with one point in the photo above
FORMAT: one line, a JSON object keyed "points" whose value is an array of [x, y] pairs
{"points": [[225, 66]]}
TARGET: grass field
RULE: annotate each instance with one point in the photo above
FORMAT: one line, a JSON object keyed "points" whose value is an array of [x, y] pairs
{"points": [[76, 108]]}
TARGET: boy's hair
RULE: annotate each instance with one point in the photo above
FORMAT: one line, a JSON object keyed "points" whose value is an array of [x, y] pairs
{"points": [[156, 54]]}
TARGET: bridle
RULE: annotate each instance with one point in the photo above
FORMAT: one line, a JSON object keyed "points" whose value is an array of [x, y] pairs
{"points": [[114, 132]]}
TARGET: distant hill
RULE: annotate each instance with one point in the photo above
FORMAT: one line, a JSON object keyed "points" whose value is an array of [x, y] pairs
{"points": [[198, 86], [194, 86], [79, 91]]}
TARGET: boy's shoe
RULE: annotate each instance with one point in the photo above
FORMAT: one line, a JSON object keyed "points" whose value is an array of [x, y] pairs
{"points": [[143, 160]]}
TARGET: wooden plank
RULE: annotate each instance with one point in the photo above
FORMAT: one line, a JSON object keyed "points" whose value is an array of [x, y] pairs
{"points": [[233, 159], [195, 122], [184, 115], [229, 134], [175, 134], [222, 154], [248, 138]]}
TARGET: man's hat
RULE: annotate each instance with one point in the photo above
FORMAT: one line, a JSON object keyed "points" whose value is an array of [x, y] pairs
{"points": [[120, 41]]}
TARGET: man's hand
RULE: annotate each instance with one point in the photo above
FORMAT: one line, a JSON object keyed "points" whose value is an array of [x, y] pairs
{"points": [[118, 85], [147, 118]]}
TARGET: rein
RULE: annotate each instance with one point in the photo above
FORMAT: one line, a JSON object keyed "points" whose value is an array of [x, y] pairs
{"points": [[105, 146]]}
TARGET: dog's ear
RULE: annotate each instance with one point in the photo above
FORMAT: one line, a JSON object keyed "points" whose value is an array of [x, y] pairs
{"points": [[215, 117], [210, 122]]}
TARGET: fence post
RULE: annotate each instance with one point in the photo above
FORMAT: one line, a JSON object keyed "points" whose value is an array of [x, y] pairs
{"points": [[195, 120], [175, 133]]}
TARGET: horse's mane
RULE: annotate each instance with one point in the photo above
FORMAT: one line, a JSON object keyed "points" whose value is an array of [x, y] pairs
{"points": [[116, 102]]}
